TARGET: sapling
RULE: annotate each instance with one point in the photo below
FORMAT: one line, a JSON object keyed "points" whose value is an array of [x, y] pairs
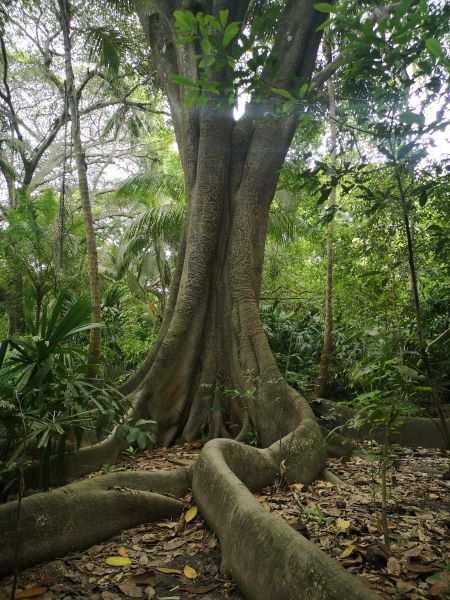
{"points": [[381, 410]]}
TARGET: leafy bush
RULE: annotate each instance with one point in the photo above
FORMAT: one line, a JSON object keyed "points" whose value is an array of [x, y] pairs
{"points": [[46, 404], [296, 340]]}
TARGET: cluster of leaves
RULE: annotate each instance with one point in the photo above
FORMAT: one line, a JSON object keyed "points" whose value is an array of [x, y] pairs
{"points": [[296, 340], [244, 49], [46, 403]]}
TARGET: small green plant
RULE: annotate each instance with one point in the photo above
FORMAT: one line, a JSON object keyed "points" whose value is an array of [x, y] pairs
{"points": [[382, 409], [138, 436]]}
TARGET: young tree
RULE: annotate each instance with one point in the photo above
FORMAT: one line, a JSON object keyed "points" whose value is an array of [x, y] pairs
{"points": [[321, 383], [91, 244]]}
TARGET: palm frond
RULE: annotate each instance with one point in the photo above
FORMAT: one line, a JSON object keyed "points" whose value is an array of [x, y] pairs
{"points": [[282, 227], [164, 222], [108, 46], [152, 185]]}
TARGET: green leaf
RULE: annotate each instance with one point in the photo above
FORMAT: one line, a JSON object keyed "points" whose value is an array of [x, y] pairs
{"points": [[325, 24], [205, 46], [401, 10], [181, 80], [213, 22], [410, 117], [303, 90], [405, 150], [230, 32], [282, 92], [324, 7], [423, 197], [223, 16], [434, 48]]}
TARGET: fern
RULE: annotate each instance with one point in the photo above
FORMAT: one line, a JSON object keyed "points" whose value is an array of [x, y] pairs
{"points": [[108, 47]]}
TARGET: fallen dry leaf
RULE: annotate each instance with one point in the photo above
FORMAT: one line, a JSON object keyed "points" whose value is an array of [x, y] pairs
{"points": [[342, 524], [394, 567], [297, 487], [122, 552], [145, 578], [191, 514], [151, 592], [129, 588], [169, 525], [31, 592], [174, 544], [169, 570], [348, 551], [189, 572], [404, 586], [118, 561], [416, 567], [150, 538]]}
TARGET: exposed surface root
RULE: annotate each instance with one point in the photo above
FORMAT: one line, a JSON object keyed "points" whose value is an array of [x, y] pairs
{"points": [[415, 431], [255, 545], [267, 558], [80, 514]]}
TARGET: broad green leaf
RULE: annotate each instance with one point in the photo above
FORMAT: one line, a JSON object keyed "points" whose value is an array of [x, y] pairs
{"points": [[181, 80], [303, 90], [434, 48], [282, 92], [205, 46], [325, 7], [223, 16], [230, 32], [325, 24], [405, 150], [410, 117]]}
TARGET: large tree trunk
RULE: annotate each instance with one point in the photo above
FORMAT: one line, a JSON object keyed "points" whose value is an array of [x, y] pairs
{"points": [[212, 371]]}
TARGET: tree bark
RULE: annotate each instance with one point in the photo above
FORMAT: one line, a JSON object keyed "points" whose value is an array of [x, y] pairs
{"points": [[212, 372], [91, 245]]}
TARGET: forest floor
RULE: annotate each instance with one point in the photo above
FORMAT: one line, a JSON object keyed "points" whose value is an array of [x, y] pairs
{"points": [[177, 560]]}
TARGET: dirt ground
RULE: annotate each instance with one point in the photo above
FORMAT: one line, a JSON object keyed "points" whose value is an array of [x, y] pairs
{"points": [[177, 560]]}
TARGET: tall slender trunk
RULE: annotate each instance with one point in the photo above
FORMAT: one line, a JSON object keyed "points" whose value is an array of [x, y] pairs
{"points": [[417, 308], [91, 246], [322, 379], [14, 292]]}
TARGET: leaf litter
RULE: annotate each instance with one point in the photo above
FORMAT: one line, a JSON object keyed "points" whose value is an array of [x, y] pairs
{"points": [[180, 559]]}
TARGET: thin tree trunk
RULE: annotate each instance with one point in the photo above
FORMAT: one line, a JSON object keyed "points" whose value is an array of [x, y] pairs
{"points": [[417, 309], [322, 379], [91, 246]]}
